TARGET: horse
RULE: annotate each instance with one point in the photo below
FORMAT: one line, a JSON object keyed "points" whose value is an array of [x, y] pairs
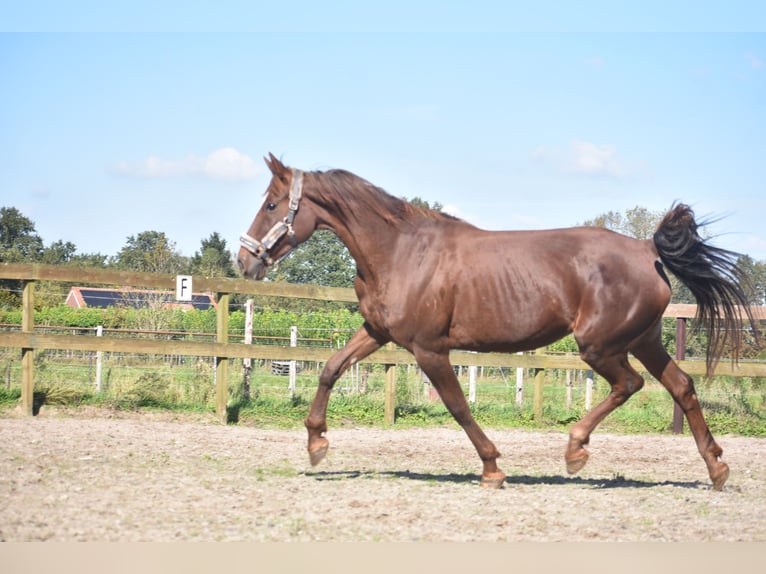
{"points": [[430, 282]]}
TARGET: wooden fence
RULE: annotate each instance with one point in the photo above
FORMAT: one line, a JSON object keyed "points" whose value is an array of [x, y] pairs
{"points": [[28, 339]]}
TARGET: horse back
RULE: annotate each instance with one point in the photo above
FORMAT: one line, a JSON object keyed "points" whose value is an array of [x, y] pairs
{"points": [[510, 290]]}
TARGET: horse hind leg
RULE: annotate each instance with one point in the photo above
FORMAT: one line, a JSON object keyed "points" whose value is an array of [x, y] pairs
{"points": [[624, 381], [361, 344], [681, 387]]}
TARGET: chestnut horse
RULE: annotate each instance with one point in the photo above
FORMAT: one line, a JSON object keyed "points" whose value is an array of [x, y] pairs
{"points": [[430, 282]]}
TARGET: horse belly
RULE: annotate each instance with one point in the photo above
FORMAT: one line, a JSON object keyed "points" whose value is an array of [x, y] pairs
{"points": [[501, 313], [496, 331]]}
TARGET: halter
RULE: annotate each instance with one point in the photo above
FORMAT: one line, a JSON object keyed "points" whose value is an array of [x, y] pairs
{"points": [[285, 227]]}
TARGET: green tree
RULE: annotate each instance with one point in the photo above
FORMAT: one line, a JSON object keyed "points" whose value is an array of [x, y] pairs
{"points": [[322, 260], [58, 252], [98, 260], [418, 202], [151, 252], [65, 253], [637, 222], [756, 272], [52, 293], [214, 258], [19, 241]]}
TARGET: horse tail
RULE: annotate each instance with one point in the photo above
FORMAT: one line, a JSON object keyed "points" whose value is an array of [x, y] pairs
{"points": [[713, 276]]}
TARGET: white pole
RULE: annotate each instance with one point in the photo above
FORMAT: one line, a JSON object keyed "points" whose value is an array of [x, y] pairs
{"points": [[247, 362], [293, 343], [99, 333], [519, 383], [472, 384]]}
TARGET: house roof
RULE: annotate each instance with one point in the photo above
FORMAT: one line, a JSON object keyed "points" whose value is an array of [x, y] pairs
{"points": [[79, 297]]}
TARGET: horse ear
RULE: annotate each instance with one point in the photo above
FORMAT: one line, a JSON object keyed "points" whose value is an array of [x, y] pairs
{"points": [[277, 167]]}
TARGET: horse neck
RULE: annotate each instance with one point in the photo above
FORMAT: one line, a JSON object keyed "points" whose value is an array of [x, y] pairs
{"points": [[362, 218]]}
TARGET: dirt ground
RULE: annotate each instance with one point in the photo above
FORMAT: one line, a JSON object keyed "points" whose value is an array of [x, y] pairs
{"points": [[100, 476]]}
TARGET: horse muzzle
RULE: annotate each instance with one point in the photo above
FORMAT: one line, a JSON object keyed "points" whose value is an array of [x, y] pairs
{"points": [[250, 266]]}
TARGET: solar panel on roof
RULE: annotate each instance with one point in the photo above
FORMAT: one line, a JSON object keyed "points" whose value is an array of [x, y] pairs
{"points": [[103, 298]]}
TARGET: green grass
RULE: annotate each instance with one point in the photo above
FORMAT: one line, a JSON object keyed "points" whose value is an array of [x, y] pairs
{"points": [[736, 406]]}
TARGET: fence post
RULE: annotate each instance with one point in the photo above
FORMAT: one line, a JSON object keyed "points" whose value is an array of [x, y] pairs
{"points": [[520, 383], [472, 384], [678, 415], [588, 389], [247, 362], [537, 400], [99, 359], [28, 354], [222, 363], [293, 364], [389, 405]]}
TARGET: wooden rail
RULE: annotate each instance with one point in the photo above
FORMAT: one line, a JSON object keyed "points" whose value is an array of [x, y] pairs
{"points": [[28, 340]]}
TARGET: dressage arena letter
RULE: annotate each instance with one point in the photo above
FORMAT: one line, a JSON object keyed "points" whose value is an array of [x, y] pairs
{"points": [[183, 287]]}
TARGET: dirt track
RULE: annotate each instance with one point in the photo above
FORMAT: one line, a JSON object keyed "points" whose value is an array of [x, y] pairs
{"points": [[91, 476]]}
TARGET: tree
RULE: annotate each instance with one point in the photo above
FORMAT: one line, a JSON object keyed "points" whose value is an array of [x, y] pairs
{"points": [[214, 259], [422, 203], [19, 241], [151, 252], [756, 272], [322, 260], [637, 222], [98, 260], [58, 252]]}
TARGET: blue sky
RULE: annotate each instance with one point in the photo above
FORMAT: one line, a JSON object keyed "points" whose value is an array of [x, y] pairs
{"points": [[118, 120]]}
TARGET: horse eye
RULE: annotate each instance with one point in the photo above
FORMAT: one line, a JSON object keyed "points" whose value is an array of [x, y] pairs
{"points": [[271, 207]]}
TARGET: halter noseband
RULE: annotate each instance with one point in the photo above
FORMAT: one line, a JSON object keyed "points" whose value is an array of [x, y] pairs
{"points": [[285, 227]]}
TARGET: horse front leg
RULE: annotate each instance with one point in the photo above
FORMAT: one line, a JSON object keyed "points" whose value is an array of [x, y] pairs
{"points": [[362, 344], [441, 374]]}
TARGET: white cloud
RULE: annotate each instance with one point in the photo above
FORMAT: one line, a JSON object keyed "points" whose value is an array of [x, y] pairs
{"points": [[453, 210], [755, 62], [586, 158], [592, 159], [225, 164]]}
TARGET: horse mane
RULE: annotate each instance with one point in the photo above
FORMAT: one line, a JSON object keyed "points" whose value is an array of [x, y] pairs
{"points": [[344, 189]]}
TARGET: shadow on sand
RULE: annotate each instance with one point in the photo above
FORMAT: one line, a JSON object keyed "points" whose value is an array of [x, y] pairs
{"points": [[526, 480]]}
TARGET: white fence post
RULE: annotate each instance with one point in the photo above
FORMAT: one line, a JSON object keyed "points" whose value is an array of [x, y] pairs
{"points": [[293, 343], [247, 362], [99, 357], [519, 383], [472, 384]]}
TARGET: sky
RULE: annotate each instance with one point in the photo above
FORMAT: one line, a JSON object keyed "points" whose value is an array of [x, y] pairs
{"points": [[123, 117]]}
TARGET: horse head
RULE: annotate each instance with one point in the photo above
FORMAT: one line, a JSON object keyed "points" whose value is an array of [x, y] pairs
{"points": [[277, 227]]}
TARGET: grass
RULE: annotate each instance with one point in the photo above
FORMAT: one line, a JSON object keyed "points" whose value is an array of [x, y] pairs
{"points": [[731, 406]]}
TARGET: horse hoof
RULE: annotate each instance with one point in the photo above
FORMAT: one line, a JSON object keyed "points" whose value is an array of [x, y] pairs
{"points": [[720, 477], [318, 450], [575, 465], [494, 481]]}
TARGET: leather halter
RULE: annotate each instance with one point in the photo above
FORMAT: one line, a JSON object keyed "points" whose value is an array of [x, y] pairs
{"points": [[261, 248]]}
